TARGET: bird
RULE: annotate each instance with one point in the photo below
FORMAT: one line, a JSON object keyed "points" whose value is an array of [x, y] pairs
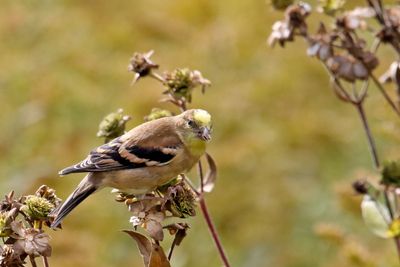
{"points": [[142, 159]]}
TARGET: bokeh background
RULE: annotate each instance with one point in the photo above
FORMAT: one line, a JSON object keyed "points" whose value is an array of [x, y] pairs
{"points": [[286, 148]]}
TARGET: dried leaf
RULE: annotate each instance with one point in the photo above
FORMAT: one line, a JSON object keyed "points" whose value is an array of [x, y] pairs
{"points": [[211, 175], [143, 244], [143, 205], [158, 257]]}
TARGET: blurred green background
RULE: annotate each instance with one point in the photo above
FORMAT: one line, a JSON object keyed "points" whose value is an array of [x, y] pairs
{"points": [[286, 148]]}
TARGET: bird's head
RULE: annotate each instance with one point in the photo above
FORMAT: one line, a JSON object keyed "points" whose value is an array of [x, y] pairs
{"points": [[197, 122]]}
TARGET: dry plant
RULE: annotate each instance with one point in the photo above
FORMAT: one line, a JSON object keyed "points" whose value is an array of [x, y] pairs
{"points": [[22, 219], [21, 227], [350, 61]]}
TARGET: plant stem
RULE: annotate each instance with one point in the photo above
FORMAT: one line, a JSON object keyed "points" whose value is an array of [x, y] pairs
{"points": [[213, 231], [32, 260], [45, 261], [371, 142], [385, 95]]}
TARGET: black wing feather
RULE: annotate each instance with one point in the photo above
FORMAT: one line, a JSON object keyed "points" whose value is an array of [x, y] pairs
{"points": [[152, 154], [108, 158]]}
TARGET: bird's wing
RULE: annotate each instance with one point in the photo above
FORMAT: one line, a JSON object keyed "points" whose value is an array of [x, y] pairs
{"points": [[123, 153]]}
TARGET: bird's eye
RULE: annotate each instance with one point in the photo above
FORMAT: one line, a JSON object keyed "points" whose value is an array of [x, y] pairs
{"points": [[191, 123]]}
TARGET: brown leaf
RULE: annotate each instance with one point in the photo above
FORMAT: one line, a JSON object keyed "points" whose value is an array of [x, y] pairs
{"points": [[143, 205], [158, 257], [155, 229], [211, 175], [143, 244]]}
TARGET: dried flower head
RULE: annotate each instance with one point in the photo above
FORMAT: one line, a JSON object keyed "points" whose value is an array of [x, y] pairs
{"points": [[141, 65], [181, 200], [281, 34], [347, 68], [283, 31], [48, 193], [181, 82], [30, 241], [37, 208], [113, 125], [321, 44], [355, 19], [157, 113], [296, 15], [8, 258]]}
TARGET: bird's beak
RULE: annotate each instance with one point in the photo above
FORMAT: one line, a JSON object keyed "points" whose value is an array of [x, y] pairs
{"points": [[205, 133]]}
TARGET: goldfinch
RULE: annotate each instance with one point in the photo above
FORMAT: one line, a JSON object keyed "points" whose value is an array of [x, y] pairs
{"points": [[142, 159]]}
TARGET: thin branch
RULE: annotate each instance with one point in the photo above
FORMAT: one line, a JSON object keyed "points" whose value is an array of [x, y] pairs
{"points": [[32, 260], [213, 232], [45, 261], [385, 95], [171, 250], [367, 130], [157, 76]]}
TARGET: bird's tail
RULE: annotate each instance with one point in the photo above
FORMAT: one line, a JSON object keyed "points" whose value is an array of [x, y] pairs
{"points": [[84, 189]]}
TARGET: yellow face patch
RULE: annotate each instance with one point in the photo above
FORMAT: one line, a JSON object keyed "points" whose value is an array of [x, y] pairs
{"points": [[202, 117]]}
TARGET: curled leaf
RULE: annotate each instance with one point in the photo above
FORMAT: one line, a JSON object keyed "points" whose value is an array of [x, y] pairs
{"points": [[158, 257], [143, 244], [211, 175]]}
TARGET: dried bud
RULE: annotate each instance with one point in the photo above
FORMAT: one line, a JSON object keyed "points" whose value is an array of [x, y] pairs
{"points": [[321, 44], [181, 82], [281, 33], [355, 19], [37, 208], [113, 125], [141, 65], [295, 16], [391, 173], [157, 113], [49, 194], [281, 4], [361, 186]]}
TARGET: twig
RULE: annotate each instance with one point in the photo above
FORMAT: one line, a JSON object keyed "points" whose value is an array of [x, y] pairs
{"points": [[45, 261], [386, 96], [213, 231], [367, 130], [157, 76], [32, 260], [171, 249]]}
